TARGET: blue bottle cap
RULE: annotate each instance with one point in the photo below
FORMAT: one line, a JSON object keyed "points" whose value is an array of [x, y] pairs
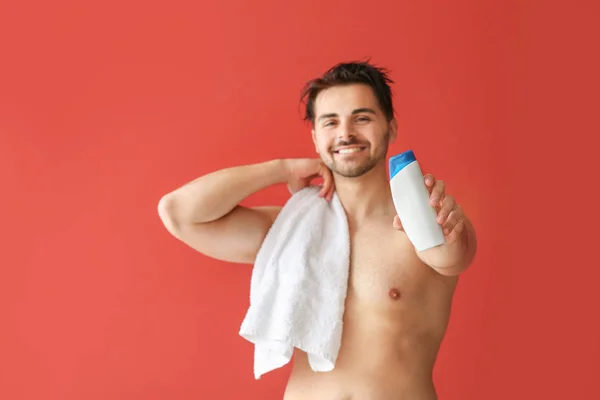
{"points": [[400, 161]]}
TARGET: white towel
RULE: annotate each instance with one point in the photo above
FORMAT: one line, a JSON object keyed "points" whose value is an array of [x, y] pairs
{"points": [[298, 285]]}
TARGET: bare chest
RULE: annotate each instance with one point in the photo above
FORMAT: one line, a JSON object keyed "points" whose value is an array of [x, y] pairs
{"points": [[385, 269]]}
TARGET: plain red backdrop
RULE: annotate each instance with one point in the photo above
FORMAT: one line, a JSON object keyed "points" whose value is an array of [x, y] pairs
{"points": [[105, 106]]}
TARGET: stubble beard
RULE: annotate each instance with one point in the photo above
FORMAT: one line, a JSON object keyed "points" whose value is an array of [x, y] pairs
{"points": [[349, 170]]}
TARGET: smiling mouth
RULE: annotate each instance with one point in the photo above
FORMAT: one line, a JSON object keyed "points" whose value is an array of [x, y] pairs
{"points": [[350, 150]]}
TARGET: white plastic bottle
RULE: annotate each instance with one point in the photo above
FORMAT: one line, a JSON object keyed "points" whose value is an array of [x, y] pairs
{"points": [[411, 200]]}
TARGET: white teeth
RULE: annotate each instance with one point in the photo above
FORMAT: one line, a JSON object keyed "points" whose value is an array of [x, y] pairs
{"points": [[347, 151]]}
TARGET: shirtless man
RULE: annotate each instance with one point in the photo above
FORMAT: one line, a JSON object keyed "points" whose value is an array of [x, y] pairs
{"points": [[398, 301]]}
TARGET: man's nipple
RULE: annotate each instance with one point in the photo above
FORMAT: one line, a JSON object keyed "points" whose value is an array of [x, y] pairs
{"points": [[394, 293]]}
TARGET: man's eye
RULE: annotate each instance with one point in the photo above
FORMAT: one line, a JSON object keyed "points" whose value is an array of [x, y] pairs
{"points": [[362, 119], [330, 123]]}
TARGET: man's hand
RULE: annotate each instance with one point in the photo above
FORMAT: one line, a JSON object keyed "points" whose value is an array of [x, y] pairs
{"points": [[456, 254], [302, 171]]}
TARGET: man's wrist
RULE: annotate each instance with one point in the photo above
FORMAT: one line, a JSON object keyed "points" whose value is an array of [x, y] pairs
{"points": [[280, 170]]}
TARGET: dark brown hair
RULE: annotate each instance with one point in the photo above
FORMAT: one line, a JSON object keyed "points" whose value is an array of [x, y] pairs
{"points": [[348, 73]]}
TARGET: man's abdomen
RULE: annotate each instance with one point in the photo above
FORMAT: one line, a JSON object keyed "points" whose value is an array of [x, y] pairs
{"points": [[373, 363], [347, 383]]}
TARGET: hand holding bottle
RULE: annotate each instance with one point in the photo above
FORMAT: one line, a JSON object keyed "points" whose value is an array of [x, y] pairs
{"points": [[449, 213], [433, 221]]}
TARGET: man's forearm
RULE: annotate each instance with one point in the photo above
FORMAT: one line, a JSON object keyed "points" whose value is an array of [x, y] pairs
{"points": [[453, 258], [213, 195]]}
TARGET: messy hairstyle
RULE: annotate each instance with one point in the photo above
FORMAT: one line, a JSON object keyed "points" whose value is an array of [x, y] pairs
{"points": [[349, 73]]}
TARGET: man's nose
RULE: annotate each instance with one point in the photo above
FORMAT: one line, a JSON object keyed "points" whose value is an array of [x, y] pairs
{"points": [[345, 130]]}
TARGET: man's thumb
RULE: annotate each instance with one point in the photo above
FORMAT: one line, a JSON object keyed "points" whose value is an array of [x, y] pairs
{"points": [[398, 224]]}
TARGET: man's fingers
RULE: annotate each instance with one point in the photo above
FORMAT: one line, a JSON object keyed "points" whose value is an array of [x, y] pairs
{"points": [[453, 219], [328, 185], [397, 224], [324, 185], [324, 190], [455, 233], [447, 206], [429, 181], [437, 193], [327, 179], [331, 191]]}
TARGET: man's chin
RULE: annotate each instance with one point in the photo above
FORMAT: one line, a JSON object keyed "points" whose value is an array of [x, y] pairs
{"points": [[351, 171], [349, 168]]}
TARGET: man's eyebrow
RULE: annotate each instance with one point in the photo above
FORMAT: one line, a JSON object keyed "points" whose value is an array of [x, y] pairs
{"points": [[323, 116], [357, 111], [362, 110]]}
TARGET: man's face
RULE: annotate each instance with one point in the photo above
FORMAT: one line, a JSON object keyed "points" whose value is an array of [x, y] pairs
{"points": [[351, 133]]}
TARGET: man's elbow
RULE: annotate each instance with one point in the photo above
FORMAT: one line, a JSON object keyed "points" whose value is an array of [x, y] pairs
{"points": [[455, 270], [167, 214]]}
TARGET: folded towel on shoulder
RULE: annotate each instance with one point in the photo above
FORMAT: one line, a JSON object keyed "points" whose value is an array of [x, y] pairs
{"points": [[298, 285]]}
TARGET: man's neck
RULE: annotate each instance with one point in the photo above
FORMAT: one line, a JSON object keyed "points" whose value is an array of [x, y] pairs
{"points": [[366, 196]]}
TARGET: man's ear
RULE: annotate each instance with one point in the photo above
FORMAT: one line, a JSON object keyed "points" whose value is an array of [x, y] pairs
{"points": [[314, 138], [393, 130]]}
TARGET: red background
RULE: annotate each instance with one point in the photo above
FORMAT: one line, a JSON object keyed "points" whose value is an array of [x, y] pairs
{"points": [[104, 108]]}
